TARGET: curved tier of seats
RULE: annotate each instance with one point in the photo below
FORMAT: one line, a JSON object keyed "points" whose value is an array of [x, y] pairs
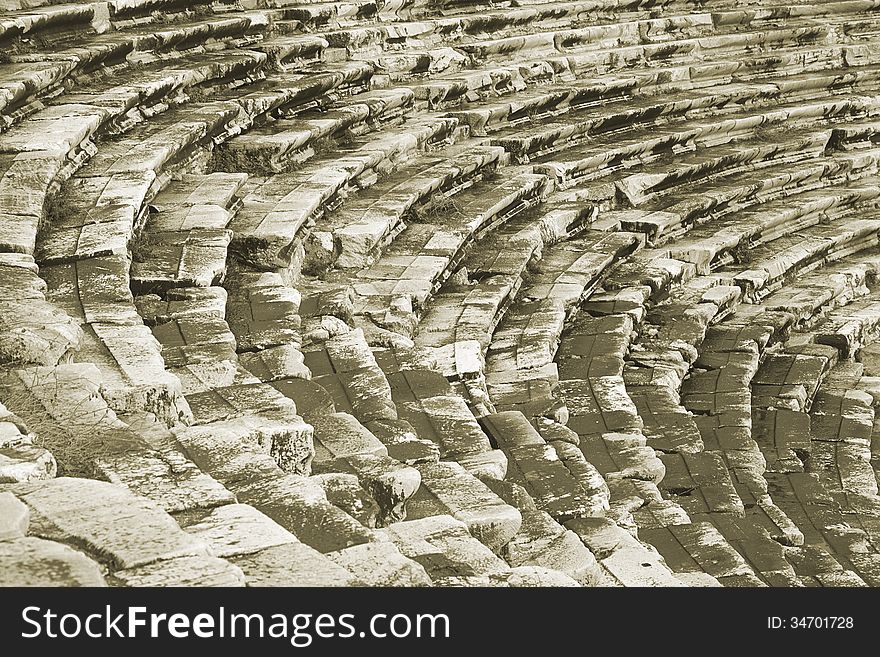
{"points": [[434, 293]]}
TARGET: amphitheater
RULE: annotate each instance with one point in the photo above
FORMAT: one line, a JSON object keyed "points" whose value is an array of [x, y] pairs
{"points": [[440, 293]]}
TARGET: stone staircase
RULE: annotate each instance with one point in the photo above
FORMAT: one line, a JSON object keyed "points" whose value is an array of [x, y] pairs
{"points": [[428, 293]]}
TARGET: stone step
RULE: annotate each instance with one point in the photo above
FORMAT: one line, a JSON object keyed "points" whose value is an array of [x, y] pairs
{"points": [[377, 214], [196, 258], [763, 554], [324, 15], [111, 108], [236, 401], [184, 241], [714, 245], [527, 337], [828, 538], [259, 546], [784, 438], [347, 369], [392, 293], [448, 489], [293, 52], [300, 505], [34, 331], [197, 345], [573, 269], [281, 145], [444, 547], [626, 560], [20, 460], [195, 340], [724, 43], [491, 80], [700, 483], [262, 311], [96, 296], [735, 201], [614, 35], [339, 437], [789, 381], [270, 228], [543, 103], [32, 561], [288, 93], [471, 310], [543, 542], [837, 285], [35, 20], [454, 87], [605, 152], [133, 374], [65, 410], [446, 421], [389, 482], [534, 464], [102, 207], [655, 180], [685, 122], [804, 251], [163, 79], [166, 476], [700, 547], [29, 78], [850, 328], [599, 405], [134, 537]]}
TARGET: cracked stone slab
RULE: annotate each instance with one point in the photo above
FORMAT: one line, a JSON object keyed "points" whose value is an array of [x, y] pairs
{"points": [[32, 329], [345, 492], [194, 258], [228, 449], [238, 529], [238, 400], [339, 436], [300, 505], [390, 482], [181, 302], [535, 465], [543, 542], [444, 547], [700, 483], [527, 337], [622, 456], [99, 221], [133, 372], [125, 530], [201, 570], [276, 363], [381, 564], [31, 561], [218, 189], [262, 311], [448, 489], [698, 547], [627, 560], [92, 290], [448, 422], [165, 476], [195, 340], [292, 564]]}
